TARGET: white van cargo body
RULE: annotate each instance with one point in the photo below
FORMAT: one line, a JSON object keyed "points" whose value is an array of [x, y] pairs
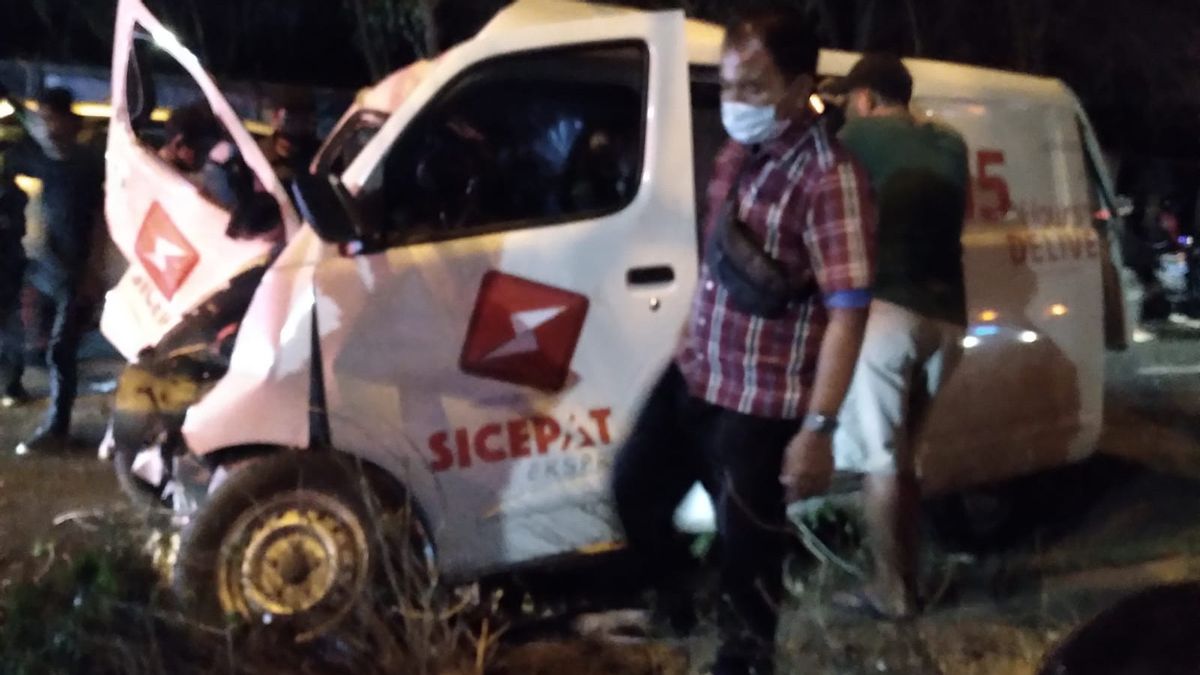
{"points": [[507, 255]]}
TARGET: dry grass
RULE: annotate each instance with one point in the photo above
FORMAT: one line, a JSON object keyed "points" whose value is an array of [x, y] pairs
{"points": [[97, 604]]}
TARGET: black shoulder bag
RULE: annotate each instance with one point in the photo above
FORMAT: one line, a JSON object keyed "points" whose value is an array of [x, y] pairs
{"points": [[756, 283]]}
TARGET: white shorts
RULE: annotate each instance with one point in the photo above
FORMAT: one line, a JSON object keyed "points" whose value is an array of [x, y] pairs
{"points": [[905, 359]]}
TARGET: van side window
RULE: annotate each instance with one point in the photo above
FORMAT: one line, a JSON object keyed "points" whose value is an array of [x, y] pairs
{"points": [[1098, 200], [520, 141]]}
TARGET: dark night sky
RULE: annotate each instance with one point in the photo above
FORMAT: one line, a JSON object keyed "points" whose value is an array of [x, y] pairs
{"points": [[1136, 63]]}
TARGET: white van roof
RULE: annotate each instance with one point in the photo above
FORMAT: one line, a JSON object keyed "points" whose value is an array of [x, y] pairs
{"points": [[932, 79]]}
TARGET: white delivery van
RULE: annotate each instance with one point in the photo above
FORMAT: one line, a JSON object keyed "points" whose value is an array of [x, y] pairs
{"points": [[495, 261]]}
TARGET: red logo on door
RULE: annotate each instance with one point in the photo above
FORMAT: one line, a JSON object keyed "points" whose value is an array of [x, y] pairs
{"points": [[523, 332], [164, 252]]}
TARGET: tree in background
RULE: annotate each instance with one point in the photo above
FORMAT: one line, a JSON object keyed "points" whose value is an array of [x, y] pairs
{"points": [[390, 29], [392, 33]]}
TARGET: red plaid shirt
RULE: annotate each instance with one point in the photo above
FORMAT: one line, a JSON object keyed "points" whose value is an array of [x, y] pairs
{"points": [[808, 201]]}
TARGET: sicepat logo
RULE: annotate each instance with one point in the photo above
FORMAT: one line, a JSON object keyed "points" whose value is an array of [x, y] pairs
{"points": [[523, 332], [164, 252]]}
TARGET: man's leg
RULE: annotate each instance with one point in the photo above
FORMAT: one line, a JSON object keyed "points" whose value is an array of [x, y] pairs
{"points": [[748, 454], [878, 447], [892, 503], [63, 362], [652, 473]]}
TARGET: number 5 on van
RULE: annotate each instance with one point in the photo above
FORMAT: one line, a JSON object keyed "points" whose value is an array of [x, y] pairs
{"points": [[993, 198]]}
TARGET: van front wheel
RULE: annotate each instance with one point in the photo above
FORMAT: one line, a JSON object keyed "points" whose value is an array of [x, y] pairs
{"points": [[287, 541]]}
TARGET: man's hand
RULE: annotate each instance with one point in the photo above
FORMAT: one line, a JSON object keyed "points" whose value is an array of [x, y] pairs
{"points": [[807, 466]]}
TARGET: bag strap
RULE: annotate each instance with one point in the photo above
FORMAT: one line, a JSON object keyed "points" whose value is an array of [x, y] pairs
{"points": [[732, 198]]}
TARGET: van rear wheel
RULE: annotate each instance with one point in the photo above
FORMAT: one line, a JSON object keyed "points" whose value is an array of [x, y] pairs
{"points": [[291, 540], [983, 519]]}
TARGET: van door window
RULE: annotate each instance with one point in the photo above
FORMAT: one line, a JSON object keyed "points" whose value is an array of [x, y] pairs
{"points": [[185, 133], [1099, 201], [520, 141]]}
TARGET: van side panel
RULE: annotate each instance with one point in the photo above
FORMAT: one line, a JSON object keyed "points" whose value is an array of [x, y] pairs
{"points": [[1028, 393]]}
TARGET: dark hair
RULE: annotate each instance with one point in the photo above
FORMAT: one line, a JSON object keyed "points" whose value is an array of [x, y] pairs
{"points": [[294, 100], [787, 35], [57, 100], [883, 74], [197, 125]]}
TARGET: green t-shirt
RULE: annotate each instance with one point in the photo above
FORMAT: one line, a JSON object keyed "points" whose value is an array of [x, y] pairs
{"points": [[919, 173]]}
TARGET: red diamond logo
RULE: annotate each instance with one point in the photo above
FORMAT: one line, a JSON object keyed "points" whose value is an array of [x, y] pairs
{"points": [[523, 332], [164, 252]]}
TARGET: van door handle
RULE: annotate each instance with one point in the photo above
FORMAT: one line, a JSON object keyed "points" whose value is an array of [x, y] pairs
{"points": [[654, 275]]}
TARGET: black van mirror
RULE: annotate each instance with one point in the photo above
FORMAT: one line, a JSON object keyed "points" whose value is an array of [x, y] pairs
{"points": [[325, 204]]}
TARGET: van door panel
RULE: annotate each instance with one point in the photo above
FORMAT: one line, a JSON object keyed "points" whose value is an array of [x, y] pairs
{"points": [[172, 235], [500, 370]]}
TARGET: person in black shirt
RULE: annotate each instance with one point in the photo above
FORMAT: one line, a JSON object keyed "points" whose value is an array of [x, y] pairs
{"points": [[72, 176]]}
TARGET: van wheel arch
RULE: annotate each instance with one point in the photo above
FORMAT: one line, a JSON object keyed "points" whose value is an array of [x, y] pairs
{"points": [[390, 489]]}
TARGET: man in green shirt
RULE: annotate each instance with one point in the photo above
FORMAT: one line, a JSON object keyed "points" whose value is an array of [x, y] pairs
{"points": [[914, 333]]}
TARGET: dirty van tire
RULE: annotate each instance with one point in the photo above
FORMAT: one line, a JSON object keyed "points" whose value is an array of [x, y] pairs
{"points": [[287, 540]]}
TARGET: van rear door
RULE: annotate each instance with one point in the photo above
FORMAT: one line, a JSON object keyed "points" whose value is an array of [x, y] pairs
{"points": [[174, 232]]}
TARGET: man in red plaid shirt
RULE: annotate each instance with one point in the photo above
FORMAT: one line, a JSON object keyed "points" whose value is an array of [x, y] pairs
{"points": [[749, 405]]}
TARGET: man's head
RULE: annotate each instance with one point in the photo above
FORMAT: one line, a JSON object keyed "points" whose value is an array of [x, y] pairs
{"points": [[192, 131], [295, 123], [60, 123], [768, 72], [877, 85]]}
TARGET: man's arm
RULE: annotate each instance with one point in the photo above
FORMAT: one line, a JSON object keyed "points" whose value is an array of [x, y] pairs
{"points": [[841, 243], [808, 465], [839, 353]]}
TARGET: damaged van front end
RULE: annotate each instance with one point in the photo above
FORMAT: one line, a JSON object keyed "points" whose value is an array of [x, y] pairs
{"points": [[187, 313]]}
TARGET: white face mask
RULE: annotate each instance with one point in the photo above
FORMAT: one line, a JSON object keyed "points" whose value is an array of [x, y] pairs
{"points": [[748, 124]]}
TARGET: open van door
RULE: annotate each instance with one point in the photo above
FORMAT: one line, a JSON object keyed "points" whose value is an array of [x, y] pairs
{"points": [[176, 234]]}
